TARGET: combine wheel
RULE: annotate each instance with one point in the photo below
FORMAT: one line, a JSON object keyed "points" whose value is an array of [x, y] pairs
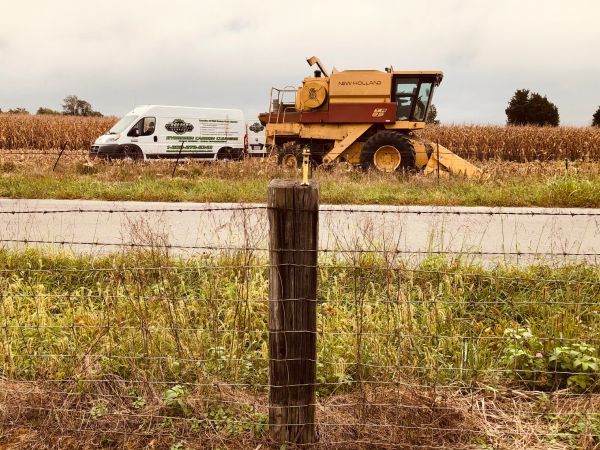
{"points": [[290, 158], [388, 151]]}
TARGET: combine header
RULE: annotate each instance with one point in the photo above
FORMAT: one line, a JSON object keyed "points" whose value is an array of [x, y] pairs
{"points": [[364, 117]]}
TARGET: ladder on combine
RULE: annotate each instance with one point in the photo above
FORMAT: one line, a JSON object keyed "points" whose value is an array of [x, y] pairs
{"points": [[280, 105]]}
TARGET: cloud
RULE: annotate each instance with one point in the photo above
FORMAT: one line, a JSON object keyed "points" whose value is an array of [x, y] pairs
{"points": [[229, 53]]}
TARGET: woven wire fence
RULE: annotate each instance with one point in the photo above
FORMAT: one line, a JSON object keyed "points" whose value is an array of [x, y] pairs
{"points": [[153, 342]]}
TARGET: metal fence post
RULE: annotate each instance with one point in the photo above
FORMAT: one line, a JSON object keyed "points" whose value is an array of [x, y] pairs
{"points": [[62, 150], [293, 211]]}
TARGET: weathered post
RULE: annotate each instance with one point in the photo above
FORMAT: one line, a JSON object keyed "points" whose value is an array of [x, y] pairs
{"points": [[293, 211]]}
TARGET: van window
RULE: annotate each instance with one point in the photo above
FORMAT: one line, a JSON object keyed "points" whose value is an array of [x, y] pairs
{"points": [[122, 124], [145, 127]]}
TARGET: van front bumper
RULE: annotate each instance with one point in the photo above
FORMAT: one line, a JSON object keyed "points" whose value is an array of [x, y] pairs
{"points": [[106, 150]]}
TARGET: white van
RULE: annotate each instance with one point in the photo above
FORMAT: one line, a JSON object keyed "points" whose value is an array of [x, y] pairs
{"points": [[154, 131], [256, 139]]}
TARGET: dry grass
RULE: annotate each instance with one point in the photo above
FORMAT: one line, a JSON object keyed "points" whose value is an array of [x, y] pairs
{"points": [[35, 416], [252, 168], [548, 183], [71, 338], [520, 144]]}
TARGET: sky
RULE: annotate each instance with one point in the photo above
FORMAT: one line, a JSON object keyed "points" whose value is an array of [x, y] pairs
{"points": [[228, 53]]}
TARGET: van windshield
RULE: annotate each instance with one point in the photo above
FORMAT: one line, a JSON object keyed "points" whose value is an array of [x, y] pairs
{"points": [[122, 124]]}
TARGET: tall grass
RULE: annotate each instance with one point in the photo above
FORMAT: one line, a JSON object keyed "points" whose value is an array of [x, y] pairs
{"points": [[140, 349], [548, 184], [439, 322]]}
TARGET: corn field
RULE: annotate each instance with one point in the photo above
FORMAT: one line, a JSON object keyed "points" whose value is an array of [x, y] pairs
{"points": [[474, 142], [22, 131], [519, 144]]}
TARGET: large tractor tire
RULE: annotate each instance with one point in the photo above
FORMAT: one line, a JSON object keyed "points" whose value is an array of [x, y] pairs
{"points": [[290, 157], [388, 151]]}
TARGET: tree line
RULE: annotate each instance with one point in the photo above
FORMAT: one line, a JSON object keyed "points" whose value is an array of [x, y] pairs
{"points": [[527, 108], [530, 108], [72, 106], [524, 108]]}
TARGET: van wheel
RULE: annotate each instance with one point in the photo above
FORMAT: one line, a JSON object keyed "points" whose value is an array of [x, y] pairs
{"points": [[132, 152], [231, 154], [388, 151]]}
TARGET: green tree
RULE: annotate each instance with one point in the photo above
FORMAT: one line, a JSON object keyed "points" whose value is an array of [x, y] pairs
{"points": [[43, 110], [18, 111], [526, 108], [516, 113], [596, 118], [432, 115], [75, 106]]}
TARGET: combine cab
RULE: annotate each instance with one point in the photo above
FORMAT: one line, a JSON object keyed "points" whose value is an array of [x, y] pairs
{"points": [[364, 117]]}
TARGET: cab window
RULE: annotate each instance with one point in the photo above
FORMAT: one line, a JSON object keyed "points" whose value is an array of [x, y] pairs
{"points": [[144, 127], [406, 89], [425, 91]]}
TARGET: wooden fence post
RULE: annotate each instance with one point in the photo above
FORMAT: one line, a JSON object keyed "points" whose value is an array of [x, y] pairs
{"points": [[293, 212]]}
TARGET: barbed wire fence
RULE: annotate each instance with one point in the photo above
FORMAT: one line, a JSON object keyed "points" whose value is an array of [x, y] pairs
{"points": [[349, 344]]}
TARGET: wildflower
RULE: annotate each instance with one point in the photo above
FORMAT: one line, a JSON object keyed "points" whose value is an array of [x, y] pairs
{"points": [[538, 355]]}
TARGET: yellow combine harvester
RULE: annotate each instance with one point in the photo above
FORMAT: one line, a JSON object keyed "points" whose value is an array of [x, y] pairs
{"points": [[364, 117]]}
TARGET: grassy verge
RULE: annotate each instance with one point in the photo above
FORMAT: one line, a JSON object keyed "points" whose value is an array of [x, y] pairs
{"points": [[505, 184], [142, 341]]}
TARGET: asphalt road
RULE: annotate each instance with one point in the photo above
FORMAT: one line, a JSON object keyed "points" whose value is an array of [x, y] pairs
{"points": [[515, 234]]}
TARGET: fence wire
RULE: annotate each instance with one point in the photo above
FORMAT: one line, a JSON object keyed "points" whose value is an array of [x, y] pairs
{"points": [[144, 347]]}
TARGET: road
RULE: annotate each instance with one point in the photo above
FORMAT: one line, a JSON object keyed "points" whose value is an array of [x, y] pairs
{"points": [[491, 233]]}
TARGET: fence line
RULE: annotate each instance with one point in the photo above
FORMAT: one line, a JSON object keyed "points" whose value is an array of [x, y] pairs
{"points": [[440, 210], [434, 355]]}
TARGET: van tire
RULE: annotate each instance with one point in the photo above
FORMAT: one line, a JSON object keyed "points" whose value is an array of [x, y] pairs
{"points": [[231, 154], [132, 152]]}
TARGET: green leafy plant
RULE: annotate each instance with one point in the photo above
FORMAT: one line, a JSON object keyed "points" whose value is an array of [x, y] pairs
{"points": [[577, 363], [98, 410], [138, 403], [178, 446], [523, 354], [175, 400]]}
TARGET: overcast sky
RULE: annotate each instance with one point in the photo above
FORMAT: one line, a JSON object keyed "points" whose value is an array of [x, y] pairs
{"points": [[228, 53]]}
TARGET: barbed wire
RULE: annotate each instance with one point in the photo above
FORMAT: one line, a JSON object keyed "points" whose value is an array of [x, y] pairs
{"points": [[322, 403], [196, 297], [135, 210], [433, 210], [429, 427], [231, 360], [370, 361], [456, 388], [323, 265], [323, 250]]}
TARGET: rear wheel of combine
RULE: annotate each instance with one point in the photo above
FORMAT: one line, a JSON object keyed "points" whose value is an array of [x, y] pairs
{"points": [[388, 151]]}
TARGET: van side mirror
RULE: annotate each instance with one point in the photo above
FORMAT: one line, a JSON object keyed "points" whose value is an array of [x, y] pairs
{"points": [[134, 132]]}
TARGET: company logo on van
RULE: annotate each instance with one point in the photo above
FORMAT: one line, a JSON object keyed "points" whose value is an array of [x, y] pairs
{"points": [[256, 127], [179, 126]]}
